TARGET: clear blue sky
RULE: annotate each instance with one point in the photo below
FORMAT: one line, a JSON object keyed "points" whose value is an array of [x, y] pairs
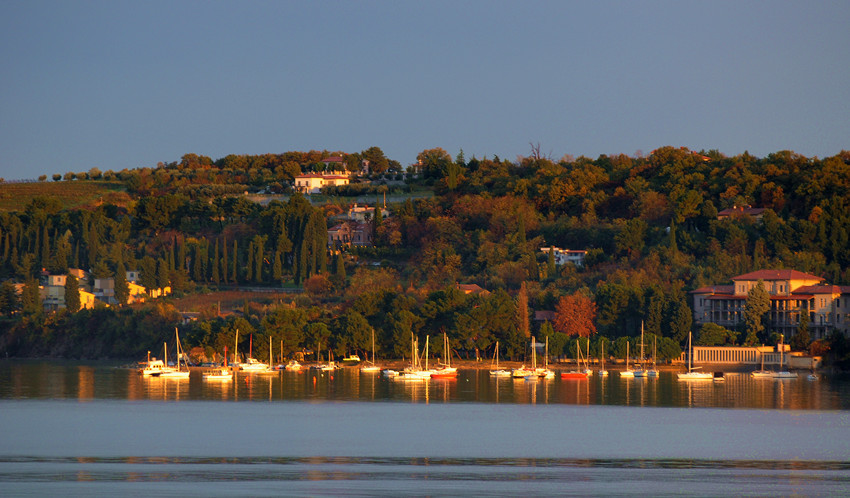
{"points": [[125, 84]]}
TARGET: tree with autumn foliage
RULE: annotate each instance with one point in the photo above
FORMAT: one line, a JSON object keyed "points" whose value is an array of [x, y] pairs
{"points": [[575, 314]]}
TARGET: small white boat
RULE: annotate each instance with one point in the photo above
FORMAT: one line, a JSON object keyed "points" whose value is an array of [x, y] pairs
{"points": [[222, 373], [253, 365], [602, 371], [371, 366], [692, 374], [152, 368], [389, 373], [628, 372], [812, 376], [783, 374], [498, 372], [176, 373], [293, 366]]}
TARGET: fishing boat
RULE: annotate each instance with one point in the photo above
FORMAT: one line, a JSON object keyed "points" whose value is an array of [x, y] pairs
{"points": [[371, 366], [498, 372], [691, 374], [628, 372], [580, 373], [152, 367]]}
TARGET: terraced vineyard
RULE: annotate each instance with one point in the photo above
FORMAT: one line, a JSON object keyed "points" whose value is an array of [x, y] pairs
{"points": [[72, 194]]}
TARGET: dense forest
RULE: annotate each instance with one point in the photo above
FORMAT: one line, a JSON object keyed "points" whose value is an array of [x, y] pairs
{"points": [[648, 222]]}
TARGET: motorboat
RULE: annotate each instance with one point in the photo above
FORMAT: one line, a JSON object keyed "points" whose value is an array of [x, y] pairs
{"points": [[222, 373]]}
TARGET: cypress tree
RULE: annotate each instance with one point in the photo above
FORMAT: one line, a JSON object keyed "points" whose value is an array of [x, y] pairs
{"points": [[249, 266], [340, 266], [551, 263], [30, 300], [259, 247], [235, 277], [277, 268], [122, 288], [223, 261], [72, 294], [214, 264]]}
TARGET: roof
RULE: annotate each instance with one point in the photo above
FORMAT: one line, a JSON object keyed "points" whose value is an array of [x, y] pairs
{"points": [[819, 289], [334, 159], [326, 177], [544, 315], [777, 275], [740, 211], [715, 289]]}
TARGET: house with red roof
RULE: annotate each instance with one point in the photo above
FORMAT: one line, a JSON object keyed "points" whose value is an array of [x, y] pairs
{"points": [[792, 293]]}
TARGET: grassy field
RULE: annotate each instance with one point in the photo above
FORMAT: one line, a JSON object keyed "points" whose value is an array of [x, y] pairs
{"points": [[71, 194]]}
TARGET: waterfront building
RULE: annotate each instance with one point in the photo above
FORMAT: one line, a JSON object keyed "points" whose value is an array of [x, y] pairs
{"points": [[792, 293], [313, 183]]}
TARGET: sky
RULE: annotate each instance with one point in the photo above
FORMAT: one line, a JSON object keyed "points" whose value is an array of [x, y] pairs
{"points": [[127, 84]]}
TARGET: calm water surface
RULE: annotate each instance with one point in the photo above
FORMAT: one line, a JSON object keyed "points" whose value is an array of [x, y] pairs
{"points": [[94, 429]]}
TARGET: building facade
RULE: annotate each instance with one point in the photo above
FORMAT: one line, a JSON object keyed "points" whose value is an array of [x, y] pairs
{"points": [[792, 293]]}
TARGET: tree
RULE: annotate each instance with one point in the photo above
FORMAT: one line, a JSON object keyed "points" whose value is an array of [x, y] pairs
{"points": [[122, 288], [30, 299], [575, 314], [757, 306], [9, 302], [72, 294], [522, 311], [801, 340], [679, 317], [711, 334]]}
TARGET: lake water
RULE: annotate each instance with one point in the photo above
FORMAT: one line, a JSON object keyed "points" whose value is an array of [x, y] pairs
{"points": [[93, 429]]}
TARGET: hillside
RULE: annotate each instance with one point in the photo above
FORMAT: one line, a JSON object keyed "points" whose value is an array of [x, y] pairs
{"points": [[70, 194]]}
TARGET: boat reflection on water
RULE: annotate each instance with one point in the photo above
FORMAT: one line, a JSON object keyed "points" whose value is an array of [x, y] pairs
{"points": [[41, 379]]}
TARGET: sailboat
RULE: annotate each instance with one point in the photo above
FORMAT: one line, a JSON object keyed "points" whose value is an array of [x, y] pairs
{"points": [[602, 371], [641, 370], [691, 374], [498, 372], [252, 365], [762, 373], [522, 372], [544, 372], [783, 374], [415, 370], [220, 373], [372, 366], [628, 372], [579, 373], [652, 372], [269, 369], [176, 373], [446, 370]]}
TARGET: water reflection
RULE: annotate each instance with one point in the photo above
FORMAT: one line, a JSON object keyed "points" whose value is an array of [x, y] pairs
{"points": [[88, 381]]}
